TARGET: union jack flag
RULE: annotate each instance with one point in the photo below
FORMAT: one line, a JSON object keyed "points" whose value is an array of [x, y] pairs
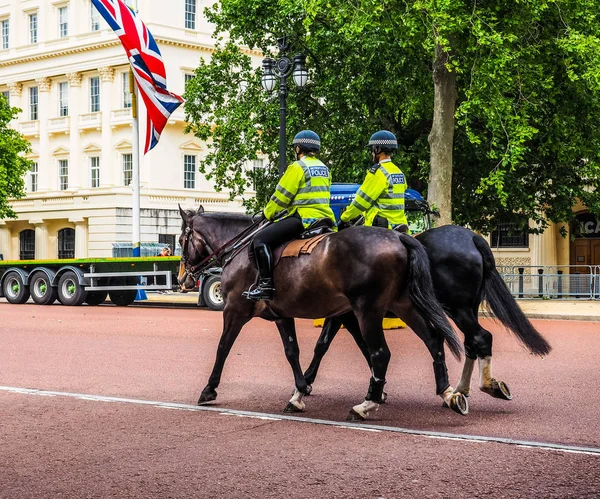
{"points": [[147, 63]]}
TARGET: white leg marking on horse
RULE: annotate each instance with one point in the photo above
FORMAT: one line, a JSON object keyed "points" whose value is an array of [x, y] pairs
{"points": [[297, 400], [464, 385], [447, 395], [366, 407], [485, 372]]}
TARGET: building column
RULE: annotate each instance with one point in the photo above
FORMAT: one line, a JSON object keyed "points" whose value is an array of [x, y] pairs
{"points": [[46, 175], [81, 237], [16, 92], [5, 242], [77, 169], [41, 239], [108, 168], [563, 247]]}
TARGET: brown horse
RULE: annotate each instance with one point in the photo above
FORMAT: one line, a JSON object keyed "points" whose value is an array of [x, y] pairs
{"points": [[364, 270]]}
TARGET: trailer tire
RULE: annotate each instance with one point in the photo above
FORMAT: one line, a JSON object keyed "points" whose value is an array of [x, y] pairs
{"points": [[122, 297], [14, 289], [70, 292], [211, 293], [96, 297], [40, 287]]}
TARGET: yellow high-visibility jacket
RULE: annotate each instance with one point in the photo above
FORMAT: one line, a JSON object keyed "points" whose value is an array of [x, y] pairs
{"points": [[382, 193], [303, 188]]}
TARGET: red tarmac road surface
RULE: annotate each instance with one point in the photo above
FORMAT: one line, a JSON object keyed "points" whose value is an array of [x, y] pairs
{"points": [[62, 446]]}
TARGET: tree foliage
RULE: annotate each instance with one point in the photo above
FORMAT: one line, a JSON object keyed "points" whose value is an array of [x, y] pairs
{"points": [[13, 165], [526, 144]]}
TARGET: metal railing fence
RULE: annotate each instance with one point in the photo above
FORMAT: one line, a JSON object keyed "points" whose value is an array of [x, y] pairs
{"points": [[552, 282]]}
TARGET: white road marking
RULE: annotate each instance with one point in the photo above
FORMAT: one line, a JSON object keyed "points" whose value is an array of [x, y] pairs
{"points": [[572, 449]]}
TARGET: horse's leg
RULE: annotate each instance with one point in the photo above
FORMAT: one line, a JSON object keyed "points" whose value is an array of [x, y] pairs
{"points": [[233, 321], [478, 344], [330, 329], [287, 331], [435, 344], [370, 323]]}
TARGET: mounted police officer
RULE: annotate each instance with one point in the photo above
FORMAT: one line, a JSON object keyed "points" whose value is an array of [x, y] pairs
{"points": [[303, 191], [380, 198]]}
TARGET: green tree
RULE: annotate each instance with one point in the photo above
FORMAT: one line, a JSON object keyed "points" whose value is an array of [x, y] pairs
{"points": [[13, 165], [501, 97]]}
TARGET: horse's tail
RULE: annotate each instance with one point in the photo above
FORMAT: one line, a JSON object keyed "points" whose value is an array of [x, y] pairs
{"points": [[501, 302], [422, 294]]}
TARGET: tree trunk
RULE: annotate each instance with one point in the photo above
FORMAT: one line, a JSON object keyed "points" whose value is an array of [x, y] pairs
{"points": [[441, 137]]}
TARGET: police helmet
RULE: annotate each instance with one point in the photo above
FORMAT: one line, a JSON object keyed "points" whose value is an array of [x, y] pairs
{"points": [[384, 140], [308, 140]]}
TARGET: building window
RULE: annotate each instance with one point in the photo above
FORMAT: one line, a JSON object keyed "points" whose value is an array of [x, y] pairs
{"points": [[33, 103], [63, 22], [34, 177], [187, 77], [189, 172], [27, 245], [66, 243], [258, 167], [6, 95], [126, 90], [33, 28], [95, 172], [510, 236], [4, 26], [127, 169], [63, 174], [190, 14], [94, 18], [63, 99], [95, 94]]}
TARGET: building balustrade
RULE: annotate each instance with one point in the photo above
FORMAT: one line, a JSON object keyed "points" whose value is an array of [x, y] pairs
{"points": [[29, 128], [62, 124], [90, 121], [120, 117]]}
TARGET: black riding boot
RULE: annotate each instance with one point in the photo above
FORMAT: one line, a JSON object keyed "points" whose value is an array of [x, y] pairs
{"points": [[264, 262]]}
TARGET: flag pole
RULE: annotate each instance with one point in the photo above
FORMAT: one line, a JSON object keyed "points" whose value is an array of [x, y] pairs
{"points": [[135, 157]]}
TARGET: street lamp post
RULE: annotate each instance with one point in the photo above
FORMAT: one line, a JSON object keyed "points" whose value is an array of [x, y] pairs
{"points": [[280, 69]]}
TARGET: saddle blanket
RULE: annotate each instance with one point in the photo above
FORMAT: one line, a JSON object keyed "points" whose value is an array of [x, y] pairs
{"points": [[299, 247]]}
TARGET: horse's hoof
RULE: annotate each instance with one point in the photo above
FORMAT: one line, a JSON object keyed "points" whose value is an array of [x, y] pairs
{"points": [[207, 395], [459, 404], [499, 390], [355, 416], [445, 406], [292, 408], [383, 398], [308, 390]]}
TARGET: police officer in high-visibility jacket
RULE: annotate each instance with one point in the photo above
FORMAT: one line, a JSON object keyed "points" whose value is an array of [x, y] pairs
{"points": [[303, 191], [380, 198]]}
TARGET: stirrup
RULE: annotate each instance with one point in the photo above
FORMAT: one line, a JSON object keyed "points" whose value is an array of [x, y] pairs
{"points": [[257, 293]]}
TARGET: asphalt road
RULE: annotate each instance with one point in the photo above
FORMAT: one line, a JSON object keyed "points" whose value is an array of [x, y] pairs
{"points": [[61, 444]]}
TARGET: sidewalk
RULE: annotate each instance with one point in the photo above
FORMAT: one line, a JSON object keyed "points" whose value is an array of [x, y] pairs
{"points": [[575, 310]]}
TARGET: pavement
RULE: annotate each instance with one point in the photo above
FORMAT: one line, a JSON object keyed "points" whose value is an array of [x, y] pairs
{"points": [[575, 310]]}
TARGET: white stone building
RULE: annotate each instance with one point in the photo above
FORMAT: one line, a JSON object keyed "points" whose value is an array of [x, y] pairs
{"points": [[64, 67]]}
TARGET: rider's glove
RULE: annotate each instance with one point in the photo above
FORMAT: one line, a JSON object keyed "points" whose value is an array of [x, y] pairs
{"points": [[343, 225], [259, 217]]}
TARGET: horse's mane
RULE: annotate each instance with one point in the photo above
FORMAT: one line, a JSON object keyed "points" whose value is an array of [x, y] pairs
{"points": [[222, 216]]}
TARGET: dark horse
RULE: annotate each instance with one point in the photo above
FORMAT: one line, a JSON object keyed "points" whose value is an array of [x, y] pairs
{"points": [[365, 270], [464, 274]]}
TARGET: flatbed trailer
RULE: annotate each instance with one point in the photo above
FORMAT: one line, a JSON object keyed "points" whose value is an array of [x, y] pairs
{"points": [[88, 280]]}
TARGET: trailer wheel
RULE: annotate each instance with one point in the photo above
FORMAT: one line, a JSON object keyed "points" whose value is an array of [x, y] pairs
{"points": [[96, 297], [41, 289], [70, 292], [122, 297], [211, 292], [14, 289]]}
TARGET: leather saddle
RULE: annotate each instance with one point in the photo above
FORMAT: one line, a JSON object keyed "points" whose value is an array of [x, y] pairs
{"points": [[306, 242]]}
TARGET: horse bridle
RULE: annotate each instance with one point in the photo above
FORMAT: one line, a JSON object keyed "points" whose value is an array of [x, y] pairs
{"points": [[195, 271], [220, 257]]}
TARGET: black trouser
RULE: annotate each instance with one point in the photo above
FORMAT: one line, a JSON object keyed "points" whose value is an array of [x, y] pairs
{"points": [[279, 232]]}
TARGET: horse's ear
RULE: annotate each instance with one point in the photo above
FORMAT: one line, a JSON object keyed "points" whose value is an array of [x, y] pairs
{"points": [[200, 209], [183, 214]]}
